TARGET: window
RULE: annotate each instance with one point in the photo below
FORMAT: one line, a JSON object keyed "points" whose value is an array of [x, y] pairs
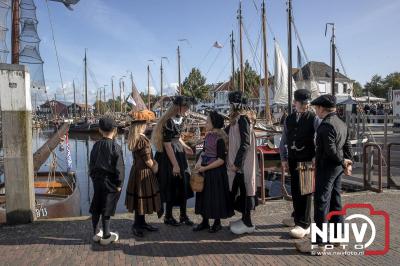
{"points": [[345, 88], [336, 88], [322, 87]]}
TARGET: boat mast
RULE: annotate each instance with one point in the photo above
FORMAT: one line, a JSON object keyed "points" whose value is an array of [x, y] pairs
{"points": [[15, 32], [290, 85], [161, 88], [333, 56], [148, 88], [266, 89], [112, 90], [86, 93], [132, 84], [233, 60], [241, 47], [179, 71], [73, 86]]}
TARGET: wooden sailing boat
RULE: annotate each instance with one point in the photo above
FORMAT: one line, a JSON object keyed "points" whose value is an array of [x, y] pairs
{"points": [[88, 125], [57, 194]]}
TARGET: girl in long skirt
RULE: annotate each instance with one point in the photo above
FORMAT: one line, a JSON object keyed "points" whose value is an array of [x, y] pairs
{"points": [[214, 202], [242, 162], [142, 193], [174, 174]]}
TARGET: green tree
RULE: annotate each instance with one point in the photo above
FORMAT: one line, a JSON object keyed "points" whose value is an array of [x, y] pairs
{"points": [[251, 80], [392, 81], [375, 86], [357, 89], [195, 85]]}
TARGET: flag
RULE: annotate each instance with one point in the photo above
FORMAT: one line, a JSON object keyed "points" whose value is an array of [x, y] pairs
{"points": [[217, 45], [131, 100], [69, 159]]}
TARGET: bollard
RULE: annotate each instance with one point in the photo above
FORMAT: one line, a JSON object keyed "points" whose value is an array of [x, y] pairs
{"points": [[367, 185], [16, 117], [390, 182]]}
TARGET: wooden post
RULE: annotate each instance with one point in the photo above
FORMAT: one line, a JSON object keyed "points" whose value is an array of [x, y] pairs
{"points": [[241, 47], [16, 108], [179, 71], [385, 132], [266, 90], [15, 32]]}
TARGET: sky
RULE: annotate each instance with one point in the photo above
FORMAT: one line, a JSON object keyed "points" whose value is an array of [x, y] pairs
{"points": [[121, 36]]}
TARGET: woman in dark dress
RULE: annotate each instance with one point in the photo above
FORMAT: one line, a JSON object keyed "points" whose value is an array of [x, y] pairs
{"points": [[174, 174], [142, 193], [214, 201]]}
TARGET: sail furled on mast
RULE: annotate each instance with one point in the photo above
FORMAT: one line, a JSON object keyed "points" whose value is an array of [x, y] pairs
{"points": [[29, 44], [281, 78], [136, 100], [5, 6]]}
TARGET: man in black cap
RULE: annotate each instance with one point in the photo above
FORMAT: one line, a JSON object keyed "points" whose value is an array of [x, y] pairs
{"points": [[333, 158], [297, 145]]}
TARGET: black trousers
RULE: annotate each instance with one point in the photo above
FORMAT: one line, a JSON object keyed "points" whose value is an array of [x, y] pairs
{"points": [[328, 183], [301, 203]]}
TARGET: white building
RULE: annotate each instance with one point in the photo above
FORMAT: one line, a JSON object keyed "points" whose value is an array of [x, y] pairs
{"points": [[322, 75]]}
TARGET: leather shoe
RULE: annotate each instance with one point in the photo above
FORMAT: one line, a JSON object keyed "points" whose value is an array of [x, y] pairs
{"points": [[137, 232], [215, 228], [171, 221], [149, 227], [201, 227], [186, 221]]}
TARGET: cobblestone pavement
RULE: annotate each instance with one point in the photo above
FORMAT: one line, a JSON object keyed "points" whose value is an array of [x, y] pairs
{"points": [[68, 241]]}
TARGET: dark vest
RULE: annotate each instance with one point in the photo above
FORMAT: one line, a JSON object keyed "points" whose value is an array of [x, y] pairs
{"points": [[301, 134]]}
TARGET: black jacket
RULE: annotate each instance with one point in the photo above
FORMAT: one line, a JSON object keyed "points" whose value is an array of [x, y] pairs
{"points": [[107, 163], [333, 143]]}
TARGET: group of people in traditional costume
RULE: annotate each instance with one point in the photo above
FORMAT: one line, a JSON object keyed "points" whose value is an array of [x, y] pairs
{"points": [[228, 164], [161, 182]]}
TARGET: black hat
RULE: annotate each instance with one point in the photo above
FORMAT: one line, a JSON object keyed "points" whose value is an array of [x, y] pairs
{"points": [[217, 120], [237, 97], [326, 100], [107, 124], [184, 101], [302, 95]]}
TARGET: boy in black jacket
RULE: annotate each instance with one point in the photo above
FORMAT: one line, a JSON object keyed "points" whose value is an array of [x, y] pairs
{"points": [[107, 171]]}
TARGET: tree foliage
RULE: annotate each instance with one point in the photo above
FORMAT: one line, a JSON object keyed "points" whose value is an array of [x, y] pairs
{"points": [[380, 86], [251, 80], [195, 85]]}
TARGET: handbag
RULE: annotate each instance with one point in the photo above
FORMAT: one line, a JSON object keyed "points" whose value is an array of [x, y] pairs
{"points": [[197, 182], [307, 177]]}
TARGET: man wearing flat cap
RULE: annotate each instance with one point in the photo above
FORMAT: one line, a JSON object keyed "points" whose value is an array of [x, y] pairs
{"points": [[333, 158], [297, 148]]}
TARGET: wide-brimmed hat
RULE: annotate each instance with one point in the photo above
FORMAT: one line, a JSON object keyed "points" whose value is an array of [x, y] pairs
{"points": [[184, 101], [142, 116]]}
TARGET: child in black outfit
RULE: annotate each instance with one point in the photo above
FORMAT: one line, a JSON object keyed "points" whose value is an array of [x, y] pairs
{"points": [[107, 171]]}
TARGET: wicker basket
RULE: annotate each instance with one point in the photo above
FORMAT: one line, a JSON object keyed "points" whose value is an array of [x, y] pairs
{"points": [[197, 182]]}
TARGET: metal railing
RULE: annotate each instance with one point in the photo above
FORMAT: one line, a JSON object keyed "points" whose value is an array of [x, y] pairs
{"points": [[368, 185], [284, 192], [389, 174]]}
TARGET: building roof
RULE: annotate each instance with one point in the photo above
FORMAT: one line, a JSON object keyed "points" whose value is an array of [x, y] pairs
{"points": [[319, 70], [60, 102]]}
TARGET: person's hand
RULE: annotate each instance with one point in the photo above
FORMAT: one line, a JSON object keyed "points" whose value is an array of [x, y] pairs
{"points": [[348, 167], [176, 170], [233, 168], [155, 167], [197, 166], [285, 166], [188, 150], [201, 169], [119, 189]]}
